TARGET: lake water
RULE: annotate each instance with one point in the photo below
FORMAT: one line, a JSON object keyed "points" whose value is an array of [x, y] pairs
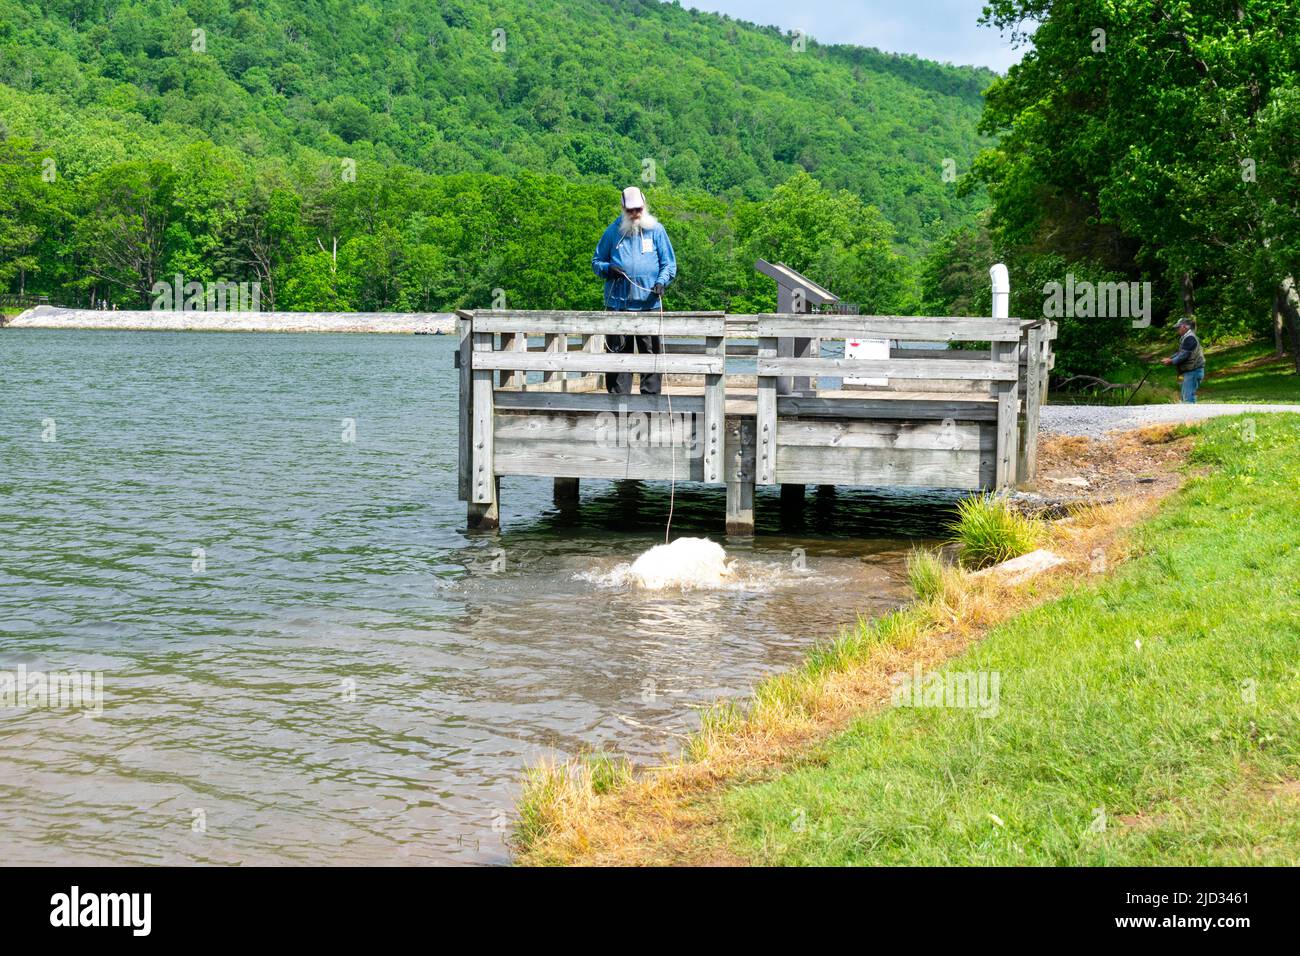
{"points": [[255, 539]]}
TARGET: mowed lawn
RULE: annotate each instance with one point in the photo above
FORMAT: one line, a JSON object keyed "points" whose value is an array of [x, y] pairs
{"points": [[1235, 372], [1151, 718]]}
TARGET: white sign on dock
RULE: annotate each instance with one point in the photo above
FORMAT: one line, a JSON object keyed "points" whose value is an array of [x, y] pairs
{"points": [[870, 349]]}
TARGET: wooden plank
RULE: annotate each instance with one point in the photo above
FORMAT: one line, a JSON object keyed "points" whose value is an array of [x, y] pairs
{"points": [[604, 428], [885, 467], [604, 323], [766, 420], [464, 455], [597, 402], [605, 362], [549, 458], [975, 369], [884, 408], [920, 329], [714, 420], [482, 479], [924, 436]]}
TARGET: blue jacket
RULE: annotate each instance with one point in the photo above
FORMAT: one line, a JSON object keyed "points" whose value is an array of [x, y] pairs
{"points": [[647, 259]]}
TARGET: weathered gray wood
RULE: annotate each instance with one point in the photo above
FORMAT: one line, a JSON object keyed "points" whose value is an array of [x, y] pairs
{"points": [[608, 429], [921, 436], [603, 323], [766, 423], [513, 343], [959, 409], [893, 368], [1008, 412], [920, 329], [1027, 464], [885, 467], [483, 486], [713, 423], [606, 362], [464, 455], [740, 507], [555, 342], [597, 402], [485, 515], [549, 458]]}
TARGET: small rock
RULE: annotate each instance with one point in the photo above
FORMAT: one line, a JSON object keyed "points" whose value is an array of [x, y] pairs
{"points": [[1076, 482], [1022, 568]]}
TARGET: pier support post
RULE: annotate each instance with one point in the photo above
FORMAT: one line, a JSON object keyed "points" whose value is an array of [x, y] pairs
{"points": [[792, 498], [740, 507], [566, 492], [485, 515]]}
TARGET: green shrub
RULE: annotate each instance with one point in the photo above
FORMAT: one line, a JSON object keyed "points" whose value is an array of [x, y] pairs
{"points": [[990, 531]]}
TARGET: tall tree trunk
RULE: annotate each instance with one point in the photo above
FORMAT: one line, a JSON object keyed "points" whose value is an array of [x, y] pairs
{"points": [[1279, 324], [1189, 296], [1290, 300]]}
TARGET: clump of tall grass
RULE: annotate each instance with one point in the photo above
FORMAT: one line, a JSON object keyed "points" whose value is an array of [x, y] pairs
{"points": [[989, 531], [553, 793], [926, 574]]}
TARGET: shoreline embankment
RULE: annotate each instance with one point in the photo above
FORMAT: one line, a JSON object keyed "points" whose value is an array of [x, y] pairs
{"points": [[408, 323]]}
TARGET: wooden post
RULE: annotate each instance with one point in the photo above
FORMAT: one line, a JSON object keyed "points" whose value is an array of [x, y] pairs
{"points": [[1027, 460], [566, 492], [712, 437], [514, 342], [1008, 409], [792, 499], [740, 475], [555, 342], [464, 362], [765, 435], [485, 516], [485, 489]]}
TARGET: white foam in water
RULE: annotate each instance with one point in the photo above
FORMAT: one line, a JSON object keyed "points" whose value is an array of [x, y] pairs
{"points": [[686, 563], [694, 564]]}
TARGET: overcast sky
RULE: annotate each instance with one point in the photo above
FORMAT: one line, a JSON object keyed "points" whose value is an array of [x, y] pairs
{"points": [[943, 30]]}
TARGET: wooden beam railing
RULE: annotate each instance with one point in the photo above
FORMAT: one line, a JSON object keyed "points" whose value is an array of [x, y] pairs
{"points": [[997, 365]]}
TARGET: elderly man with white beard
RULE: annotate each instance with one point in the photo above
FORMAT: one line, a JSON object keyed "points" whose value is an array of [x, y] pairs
{"points": [[636, 260]]}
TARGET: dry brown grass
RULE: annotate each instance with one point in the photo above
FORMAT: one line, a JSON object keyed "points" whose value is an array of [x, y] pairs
{"points": [[669, 815]]}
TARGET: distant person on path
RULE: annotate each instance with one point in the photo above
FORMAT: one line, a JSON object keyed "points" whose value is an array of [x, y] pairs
{"points": [[1189, 361], [636, 260]]}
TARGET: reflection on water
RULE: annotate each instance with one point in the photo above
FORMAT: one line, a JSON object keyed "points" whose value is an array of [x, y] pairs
{"points": [[305, 658]]}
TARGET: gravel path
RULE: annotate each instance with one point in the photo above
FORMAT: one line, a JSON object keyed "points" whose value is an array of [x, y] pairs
{"points": [[1094, 421]]}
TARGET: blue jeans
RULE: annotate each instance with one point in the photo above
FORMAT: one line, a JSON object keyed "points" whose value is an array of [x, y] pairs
{"points": [[1191, 382]]}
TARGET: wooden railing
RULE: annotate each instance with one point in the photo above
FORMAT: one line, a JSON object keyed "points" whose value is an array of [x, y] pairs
{"points": [[532, 402]]}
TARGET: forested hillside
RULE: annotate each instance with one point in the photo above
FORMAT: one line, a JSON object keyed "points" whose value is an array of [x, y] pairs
{"points": [[219, 137]]}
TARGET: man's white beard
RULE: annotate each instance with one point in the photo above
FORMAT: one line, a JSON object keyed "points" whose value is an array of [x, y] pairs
{"points": [[628, 226]]}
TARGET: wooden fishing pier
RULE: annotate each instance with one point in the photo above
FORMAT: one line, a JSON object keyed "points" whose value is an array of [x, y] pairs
{"points": [[533, 402]]}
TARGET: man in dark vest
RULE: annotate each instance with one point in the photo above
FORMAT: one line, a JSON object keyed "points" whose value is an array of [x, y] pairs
{"points": [[1189, 360]]}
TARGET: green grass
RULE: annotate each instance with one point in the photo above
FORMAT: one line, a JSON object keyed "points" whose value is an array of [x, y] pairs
{"points": [[1143, 720], [1235, 372], [989, 531]]}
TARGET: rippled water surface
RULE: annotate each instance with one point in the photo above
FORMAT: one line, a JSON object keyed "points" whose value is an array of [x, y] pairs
{"points": [[305, 658]]}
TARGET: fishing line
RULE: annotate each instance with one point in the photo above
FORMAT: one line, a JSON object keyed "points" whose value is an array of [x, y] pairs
{"points": [[672, 455]]}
